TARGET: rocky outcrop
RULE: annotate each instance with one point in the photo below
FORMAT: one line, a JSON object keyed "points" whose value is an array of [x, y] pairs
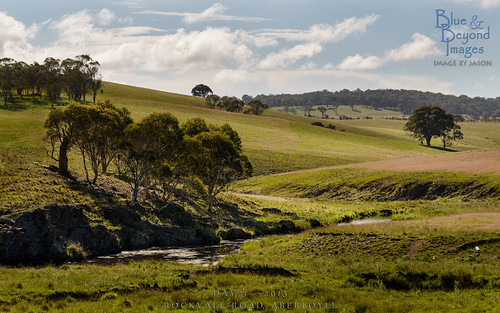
{"points": [[235, 234], [138, 234], [43, 235]]}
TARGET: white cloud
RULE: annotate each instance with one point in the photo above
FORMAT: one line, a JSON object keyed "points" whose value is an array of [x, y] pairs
{"points": [[105, 17], [323, 33], [313, 39], [182, 51], [284, 58], [420, 47], [139, 48], [13, 31], [134, 31], [485, 4], [77, 29], [358, 62], [229, 61], [134, 4], [213, 13]]}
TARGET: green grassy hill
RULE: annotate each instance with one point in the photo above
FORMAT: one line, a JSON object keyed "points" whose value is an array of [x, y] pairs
{"points": [[438, 254], [276, 142]]}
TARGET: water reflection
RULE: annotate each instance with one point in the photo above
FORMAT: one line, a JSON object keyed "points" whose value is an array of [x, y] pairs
{"points": [[366, 221], [201, 255]]}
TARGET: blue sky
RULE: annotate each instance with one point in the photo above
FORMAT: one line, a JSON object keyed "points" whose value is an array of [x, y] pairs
{"points": [[276, 46]]}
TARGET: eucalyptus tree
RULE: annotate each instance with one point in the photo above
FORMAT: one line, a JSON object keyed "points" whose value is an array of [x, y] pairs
{"points": [[148, 145], [429, 122]]}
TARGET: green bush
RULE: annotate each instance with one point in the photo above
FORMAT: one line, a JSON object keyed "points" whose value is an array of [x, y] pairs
{"points": [[75, 252], [109, 296], [208, 235]]}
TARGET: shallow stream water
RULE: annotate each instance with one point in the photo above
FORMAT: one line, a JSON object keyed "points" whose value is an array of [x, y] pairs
{"points": [[199, 255], [366, 221]]}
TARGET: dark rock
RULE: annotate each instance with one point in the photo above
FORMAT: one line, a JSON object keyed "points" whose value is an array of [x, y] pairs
{"points": [[290, 214], [172, 236], [314, 223], [385, 212], [272, 210], [287, 227], [279, 212], [42, 235], [139, 234], [234, 234], [30, 240]]}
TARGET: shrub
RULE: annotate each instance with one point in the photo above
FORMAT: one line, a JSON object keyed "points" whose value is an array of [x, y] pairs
{"points": [[109, 296], [75, 252], [208, 235]]}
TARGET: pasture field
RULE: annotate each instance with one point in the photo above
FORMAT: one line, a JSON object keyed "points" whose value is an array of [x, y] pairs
{"points": [[440, 251], [401, 266]]}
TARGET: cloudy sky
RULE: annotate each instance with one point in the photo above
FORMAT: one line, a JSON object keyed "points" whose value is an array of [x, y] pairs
{"points": [[266, 46]]}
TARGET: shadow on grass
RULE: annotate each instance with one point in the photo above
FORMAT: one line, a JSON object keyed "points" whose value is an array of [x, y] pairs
{"points": [[101, 197], [16, 107], [21, 104], [440, 148]]}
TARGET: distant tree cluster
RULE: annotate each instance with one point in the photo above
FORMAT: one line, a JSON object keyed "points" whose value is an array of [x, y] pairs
{"points": [[155, 153], [402, 100], [233, 104], [246, 105], [75, 77]]}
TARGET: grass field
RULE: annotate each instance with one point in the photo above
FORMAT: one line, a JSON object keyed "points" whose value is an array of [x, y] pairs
{"points": [[442, 205], [404, 266]]}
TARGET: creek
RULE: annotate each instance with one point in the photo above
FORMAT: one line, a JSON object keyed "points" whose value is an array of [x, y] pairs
{"points": [[366, 221], [198, 255]]}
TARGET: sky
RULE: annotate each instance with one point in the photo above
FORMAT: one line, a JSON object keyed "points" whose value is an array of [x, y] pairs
{"points": [[239, 47]]}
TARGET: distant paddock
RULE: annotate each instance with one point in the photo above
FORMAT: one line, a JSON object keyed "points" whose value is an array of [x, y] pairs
{"points": [[475, 162]]}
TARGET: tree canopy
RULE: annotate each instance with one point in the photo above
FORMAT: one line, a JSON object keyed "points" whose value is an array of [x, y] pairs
{"points": [[429, 122], [201, 90], [94, 129], [76, 77], [214, 156], [146, 146]]}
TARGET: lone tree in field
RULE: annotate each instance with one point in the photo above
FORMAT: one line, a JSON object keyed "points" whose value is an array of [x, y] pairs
{"points": [[201, 91], [323, 110], [429, 122]]}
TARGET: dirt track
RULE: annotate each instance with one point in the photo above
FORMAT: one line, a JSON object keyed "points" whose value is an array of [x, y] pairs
{"points": [[476, 162]]}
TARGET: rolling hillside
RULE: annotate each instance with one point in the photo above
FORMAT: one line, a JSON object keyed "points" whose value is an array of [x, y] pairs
{"points": [[276, 143], [436, 250]]}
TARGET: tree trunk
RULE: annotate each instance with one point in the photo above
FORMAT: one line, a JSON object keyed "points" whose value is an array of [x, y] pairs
{"points": [[428, 141], [85, 166], [63, 157], [210, 202], [135, 194], [210, 192]]}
